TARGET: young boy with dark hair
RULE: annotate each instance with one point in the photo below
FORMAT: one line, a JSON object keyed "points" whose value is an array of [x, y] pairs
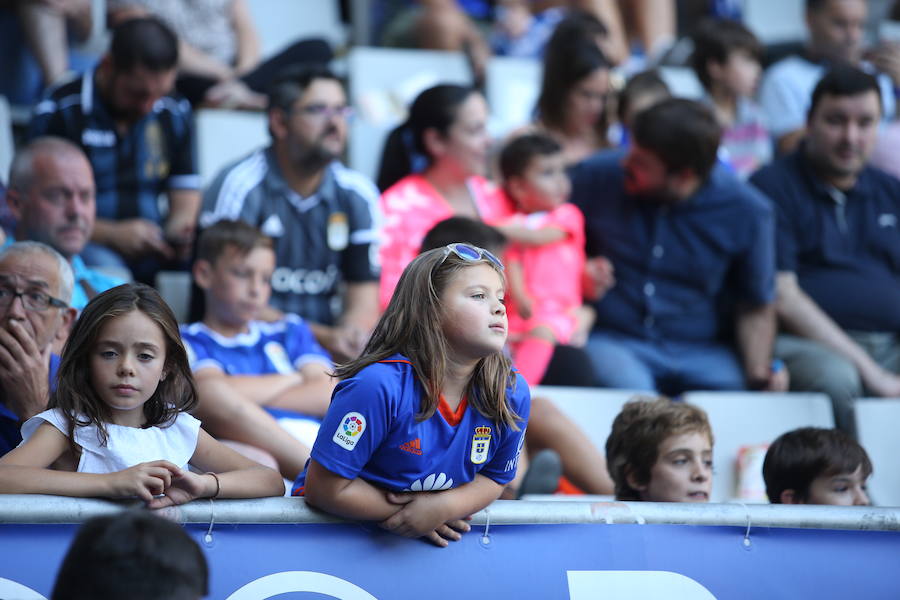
{"points": [[812, 465], [546, 259], [243, 365], [661, 451], [727, 59]]}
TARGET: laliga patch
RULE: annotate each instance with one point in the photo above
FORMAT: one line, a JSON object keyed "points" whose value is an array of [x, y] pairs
{"points": [[338, 231], [481, 441], [349, 430]]}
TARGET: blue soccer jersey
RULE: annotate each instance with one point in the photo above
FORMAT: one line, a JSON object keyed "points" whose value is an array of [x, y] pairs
{"points": [[280, 347], [371, 432]]}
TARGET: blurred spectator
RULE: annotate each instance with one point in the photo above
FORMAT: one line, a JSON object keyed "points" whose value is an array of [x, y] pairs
{"points": [[432, 168], [321, 215], [835, 36], [132, 555], [219, 61], [52, 198], [572, 105], [35, 289], [692, 248], [641, 91], [36, 38], [837, 249], [726, 59], [139, 140]]}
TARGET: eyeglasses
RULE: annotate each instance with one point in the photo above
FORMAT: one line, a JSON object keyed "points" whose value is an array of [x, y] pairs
{"points": [[471, 253], [323, 111], [31, 299]]}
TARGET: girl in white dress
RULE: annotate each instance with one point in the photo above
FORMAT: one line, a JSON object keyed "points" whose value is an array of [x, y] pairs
{"points": [[117, 424]]}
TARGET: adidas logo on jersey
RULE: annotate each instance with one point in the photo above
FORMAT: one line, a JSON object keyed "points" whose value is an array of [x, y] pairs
{"points": [[413, 447]]}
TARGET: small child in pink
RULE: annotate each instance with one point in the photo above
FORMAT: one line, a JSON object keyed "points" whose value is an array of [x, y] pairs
{"points": [[546, 258]]}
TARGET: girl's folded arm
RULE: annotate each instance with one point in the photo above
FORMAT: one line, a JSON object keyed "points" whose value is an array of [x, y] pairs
{"points": [[238, 476], [25, 469], [471, 497], [348, 498]]}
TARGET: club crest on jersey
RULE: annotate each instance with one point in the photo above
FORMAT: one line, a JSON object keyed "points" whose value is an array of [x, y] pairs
{"points": [[338, 231], [481, 441], [349, 430], [279, 358]]}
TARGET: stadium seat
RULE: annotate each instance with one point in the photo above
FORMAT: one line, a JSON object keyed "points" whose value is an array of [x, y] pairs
{"points": [[876, 429], [281, 22], [775, 21], [175, 288], [383, 82], [682, 82], [7, 147], [753, 418], [594, 409], [224, 136], [512, 88]]}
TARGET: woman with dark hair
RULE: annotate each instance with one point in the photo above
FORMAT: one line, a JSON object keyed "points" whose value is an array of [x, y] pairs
{"points": [[433, 167], [572, 103]]}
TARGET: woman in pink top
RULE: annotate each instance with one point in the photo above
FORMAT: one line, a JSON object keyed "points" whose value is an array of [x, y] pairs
{"points": [[446, 135]]}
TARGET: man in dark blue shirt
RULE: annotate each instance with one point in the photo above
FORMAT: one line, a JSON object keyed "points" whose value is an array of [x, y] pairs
{"points": [[692, 250], [139, 140], [35, 290], [838, 249]]}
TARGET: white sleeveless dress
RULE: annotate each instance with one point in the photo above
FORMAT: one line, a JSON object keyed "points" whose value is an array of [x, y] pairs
{"points": [[125, 446]]}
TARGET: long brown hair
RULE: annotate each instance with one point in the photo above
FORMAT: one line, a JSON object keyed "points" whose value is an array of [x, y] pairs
{"points": [[411, 326], [75, 395]]}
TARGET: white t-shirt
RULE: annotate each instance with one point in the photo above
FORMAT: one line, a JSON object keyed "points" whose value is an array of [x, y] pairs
{"points": [[125, 446]]}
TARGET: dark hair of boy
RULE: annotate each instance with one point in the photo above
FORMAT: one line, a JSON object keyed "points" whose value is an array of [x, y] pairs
{"points": [[518, 153], [798, 457], [465, 230], [227, 233], [132, 555], [715, 40], [683, 134], [144, 42], [646, 82], [844, 80], [643, 424]]}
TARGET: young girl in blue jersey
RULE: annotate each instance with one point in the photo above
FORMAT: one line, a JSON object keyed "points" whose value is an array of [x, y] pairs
{"points": [[117, 424], [425, 428]]}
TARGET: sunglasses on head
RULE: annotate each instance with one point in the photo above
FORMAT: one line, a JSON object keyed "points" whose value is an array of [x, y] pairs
{"points": [[471, 253]]}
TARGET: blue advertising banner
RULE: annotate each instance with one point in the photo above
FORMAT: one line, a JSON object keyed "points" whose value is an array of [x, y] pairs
{"points": [[568, 561]]}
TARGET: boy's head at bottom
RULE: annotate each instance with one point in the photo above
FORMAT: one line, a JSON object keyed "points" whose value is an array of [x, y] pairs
{"points": [[661, 451], [812, 465], [234, 268]]}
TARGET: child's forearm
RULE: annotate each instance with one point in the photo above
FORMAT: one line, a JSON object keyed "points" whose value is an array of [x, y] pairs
{"points": [[351, 499], [533, 237], [263, 389], [253, 482], [310, 397], [471, 497], [16, 479]]}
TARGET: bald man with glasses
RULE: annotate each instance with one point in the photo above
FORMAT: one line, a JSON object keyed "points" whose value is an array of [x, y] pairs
{"points": [[35, 291]]}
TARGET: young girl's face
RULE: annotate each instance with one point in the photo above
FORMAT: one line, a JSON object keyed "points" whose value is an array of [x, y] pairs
{"points": [[543, 185], [474, 317], [127, 364], [683, 470]]}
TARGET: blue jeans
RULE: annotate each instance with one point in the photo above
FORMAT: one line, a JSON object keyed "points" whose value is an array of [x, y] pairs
{"points": [[670, 367]]}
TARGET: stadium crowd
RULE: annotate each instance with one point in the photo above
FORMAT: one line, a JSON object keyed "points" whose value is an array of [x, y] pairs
{"points": [[624, 237]]}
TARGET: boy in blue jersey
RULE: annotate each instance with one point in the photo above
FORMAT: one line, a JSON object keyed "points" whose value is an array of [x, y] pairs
{"points": [[250, 372]]}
